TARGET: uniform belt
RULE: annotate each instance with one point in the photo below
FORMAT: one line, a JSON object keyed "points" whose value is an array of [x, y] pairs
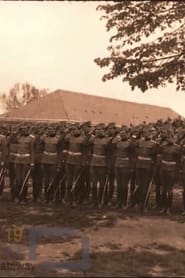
{"points": [[74, 153], [22, 154], [98, 155], [65, 151], [13, 153], [123, 158], [144, 158], [169, 162], [49, 153]]}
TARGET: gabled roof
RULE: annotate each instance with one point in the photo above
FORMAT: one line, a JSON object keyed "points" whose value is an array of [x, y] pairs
{"points": [[67, 105]]}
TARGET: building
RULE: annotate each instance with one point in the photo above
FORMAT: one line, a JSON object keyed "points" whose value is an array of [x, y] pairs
{"points": [[62, 105]]}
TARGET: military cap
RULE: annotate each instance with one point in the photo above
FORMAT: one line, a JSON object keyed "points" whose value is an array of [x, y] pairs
{"points": [[50, 129], [100, 126], [62, 122], [117, 129], [112, 124], [62, 129], [23, 127], [88, 123]]}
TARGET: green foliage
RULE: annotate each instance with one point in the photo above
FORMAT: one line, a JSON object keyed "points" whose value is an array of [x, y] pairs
{"points": [[147, 48]]}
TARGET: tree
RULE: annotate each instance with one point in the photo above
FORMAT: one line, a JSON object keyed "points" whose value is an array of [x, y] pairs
{"points": [[20, 95], [147, 47]]}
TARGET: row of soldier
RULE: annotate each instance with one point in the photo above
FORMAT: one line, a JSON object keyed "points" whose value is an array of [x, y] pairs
{"points": [[75, 163]]}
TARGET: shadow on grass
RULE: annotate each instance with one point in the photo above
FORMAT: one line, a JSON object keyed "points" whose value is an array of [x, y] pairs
{"points": [[137, 262]]}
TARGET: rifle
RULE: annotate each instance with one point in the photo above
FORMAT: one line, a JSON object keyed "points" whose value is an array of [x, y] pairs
{"points": [[148, 193], [52, 182], [76, 181], [91, 132], [2, 175], [104, 189], [59, 187], [25, 181], [135, 190]]}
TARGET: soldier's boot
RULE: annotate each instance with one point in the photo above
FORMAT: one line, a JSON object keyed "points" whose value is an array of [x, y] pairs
{"points": [[13, 191], [125, 196], [101, 200], [170, 200], [70, 196], [158, 197], [48, 196], [110, 192], [35, 192], [2, 187], [46, 191]]}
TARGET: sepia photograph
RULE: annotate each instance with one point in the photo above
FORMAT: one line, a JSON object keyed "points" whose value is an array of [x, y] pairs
{"points": [[92, 138]]}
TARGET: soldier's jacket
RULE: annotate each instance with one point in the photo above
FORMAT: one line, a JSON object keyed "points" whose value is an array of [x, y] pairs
{"points": [[63, 146], [146, 152], [24, 154], [170, 157], [133, 154], [74, 155], [86, 151], [110, 151], [182, 157], [122, 152], [3, 149], [99, 151], [12, 149], [50, 151], [38, 149]]}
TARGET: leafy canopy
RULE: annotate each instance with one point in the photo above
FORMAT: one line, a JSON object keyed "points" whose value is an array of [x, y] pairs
{"points": [[147, 47]]}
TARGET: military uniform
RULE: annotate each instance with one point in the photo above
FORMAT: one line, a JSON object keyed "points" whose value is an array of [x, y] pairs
{"points": [[50, 163], [12, 152], [37, 175], [111, 134], [85, 181], [122, 148], [63, 150], [133, 157], [23, 161], [99, 174], [182, 168], [74, 165], [146, 151], [3, 156], [170, 153]]}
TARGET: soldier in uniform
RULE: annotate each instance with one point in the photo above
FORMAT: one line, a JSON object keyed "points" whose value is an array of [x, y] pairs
{"points": [[133, 156], [3, 155], [123, 149], [99, 174], [74, 165], [50, 163], [85, 181], [111, 132], [63, 150], [38, 148], [12, 151], [182, 172], [170, 153], [23, 162], [146, 152], [161, 140]]}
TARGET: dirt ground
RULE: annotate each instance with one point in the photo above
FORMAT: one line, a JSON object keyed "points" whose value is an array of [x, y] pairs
{"points": [[105, 242]]}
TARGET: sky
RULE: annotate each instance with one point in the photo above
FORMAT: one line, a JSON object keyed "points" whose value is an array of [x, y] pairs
{"points": [[53, 45]]}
